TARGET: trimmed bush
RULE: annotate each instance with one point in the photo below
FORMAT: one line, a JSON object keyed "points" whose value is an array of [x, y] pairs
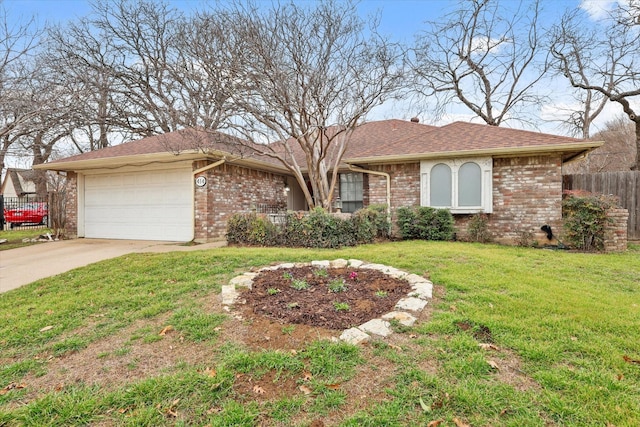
{"points": [[585, 217], [425, 223], [316, 229], [377, 216]]}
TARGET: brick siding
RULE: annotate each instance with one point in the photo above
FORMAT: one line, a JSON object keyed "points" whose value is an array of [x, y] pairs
{"points": [[527, 194], [232, 189], [615, 232], [71, 206]]}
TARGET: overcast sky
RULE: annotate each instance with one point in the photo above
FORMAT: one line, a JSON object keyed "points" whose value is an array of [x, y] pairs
{"points": [[399, 19]]}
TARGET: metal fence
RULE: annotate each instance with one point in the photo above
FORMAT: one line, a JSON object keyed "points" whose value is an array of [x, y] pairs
{"points": [[624, 185], [275, 213], [25, 212]]}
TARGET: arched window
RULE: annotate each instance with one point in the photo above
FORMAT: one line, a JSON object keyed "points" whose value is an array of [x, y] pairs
{"points": [[469, 185], [440, 186], [460, 185]]}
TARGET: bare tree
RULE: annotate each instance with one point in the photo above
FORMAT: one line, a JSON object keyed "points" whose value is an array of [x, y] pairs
{"points": [[591, 102], [617, 153], [486, 57], [306, 76], [18, 39], [606, 61], [85, 61]]}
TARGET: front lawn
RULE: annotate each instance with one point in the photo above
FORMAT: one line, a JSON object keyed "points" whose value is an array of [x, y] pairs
{"points": [[514, 337], [15, 238]]}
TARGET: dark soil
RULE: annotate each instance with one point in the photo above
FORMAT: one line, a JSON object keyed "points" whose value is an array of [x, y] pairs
{"points": [[369, 294]]}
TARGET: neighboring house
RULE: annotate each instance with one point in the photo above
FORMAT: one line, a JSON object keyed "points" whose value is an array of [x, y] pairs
{"points": [[170, 188], [19, 183]]}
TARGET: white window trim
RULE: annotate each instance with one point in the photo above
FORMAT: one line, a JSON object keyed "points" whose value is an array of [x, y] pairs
{"points": [[486, 170]]}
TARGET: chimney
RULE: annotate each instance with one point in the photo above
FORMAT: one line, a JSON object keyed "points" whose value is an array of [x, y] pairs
{"points": [[415, 120]]}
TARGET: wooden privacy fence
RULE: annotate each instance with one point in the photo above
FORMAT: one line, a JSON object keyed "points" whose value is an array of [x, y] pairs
{"points": [[624, 185]]}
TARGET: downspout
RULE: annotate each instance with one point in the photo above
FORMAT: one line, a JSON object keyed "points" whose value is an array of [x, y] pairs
{"points": [[194, 173], [388, 177]]}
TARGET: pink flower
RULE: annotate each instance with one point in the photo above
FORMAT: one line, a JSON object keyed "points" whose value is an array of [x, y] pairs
{"points": [[353, 275]]}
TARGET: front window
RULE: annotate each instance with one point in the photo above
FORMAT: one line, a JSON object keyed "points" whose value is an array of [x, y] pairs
{"points": [[470, 185], [460, 185], [351, 185]]}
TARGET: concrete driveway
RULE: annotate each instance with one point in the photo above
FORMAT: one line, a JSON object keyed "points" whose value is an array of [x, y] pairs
{"points": [[27, 264]]}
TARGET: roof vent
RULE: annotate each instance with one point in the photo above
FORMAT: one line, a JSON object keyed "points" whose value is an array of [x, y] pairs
{"points": [[415, 120]]}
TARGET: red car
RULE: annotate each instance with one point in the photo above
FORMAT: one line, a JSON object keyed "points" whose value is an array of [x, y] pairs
{"points": [[33, 213]]}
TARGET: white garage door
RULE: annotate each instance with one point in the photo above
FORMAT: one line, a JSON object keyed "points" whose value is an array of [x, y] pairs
{"points": [[150, 205]]}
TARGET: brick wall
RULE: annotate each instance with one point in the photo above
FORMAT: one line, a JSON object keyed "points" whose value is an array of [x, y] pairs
{"points": [[615, 232], [71, 207], [527, 194], [232, 189]]}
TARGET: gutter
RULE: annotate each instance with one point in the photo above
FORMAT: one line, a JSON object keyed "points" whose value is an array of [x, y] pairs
{"points": [[388, 178], [579, 147]]}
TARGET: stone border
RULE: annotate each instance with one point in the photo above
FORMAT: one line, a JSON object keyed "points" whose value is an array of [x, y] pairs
{"points": [[405, 311]]}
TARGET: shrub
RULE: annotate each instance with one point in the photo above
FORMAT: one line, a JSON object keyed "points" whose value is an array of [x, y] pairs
{"points": [[317, 229], [477, 228], [238, 228], [251, 229], [425, 223], [377, 218], [585, 217]]}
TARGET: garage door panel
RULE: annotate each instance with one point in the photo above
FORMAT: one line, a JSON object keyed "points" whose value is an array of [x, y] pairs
{"points": [[150, 205]]}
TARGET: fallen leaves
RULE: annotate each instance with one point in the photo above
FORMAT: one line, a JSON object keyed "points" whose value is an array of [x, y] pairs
{"points": [[46, 328], [486, 346], [493, 364], [435, 423], [166, 330], [306, 390], [630, 360], [171, 411], [209, 372], [12, 386], [335, 386], [425, 407], [460, 423], [258, 390]]}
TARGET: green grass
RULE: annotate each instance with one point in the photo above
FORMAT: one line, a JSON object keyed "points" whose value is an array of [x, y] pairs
{"points": [[563, 323], [15, 237]]}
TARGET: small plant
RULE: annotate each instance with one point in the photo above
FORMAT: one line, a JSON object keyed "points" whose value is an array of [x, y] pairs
{"points": [[382, 294], [287, 275], [321, 272], [337, 285], [353, 275], [288, 330], [526, 239], [299, 284], [273, 291], [293, 305], [341, 306], [478, 228]]}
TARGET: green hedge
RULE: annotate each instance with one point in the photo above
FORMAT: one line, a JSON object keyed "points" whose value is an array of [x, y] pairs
{"points": [[316, 229], [425, 223]]}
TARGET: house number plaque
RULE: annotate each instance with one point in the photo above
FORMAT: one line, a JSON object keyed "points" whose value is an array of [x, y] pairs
{"points": [[201, 181]]}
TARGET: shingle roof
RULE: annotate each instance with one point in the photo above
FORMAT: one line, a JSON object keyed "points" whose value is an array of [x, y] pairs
{"points": [[377, 141], [451, 138], [174, 142]]}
